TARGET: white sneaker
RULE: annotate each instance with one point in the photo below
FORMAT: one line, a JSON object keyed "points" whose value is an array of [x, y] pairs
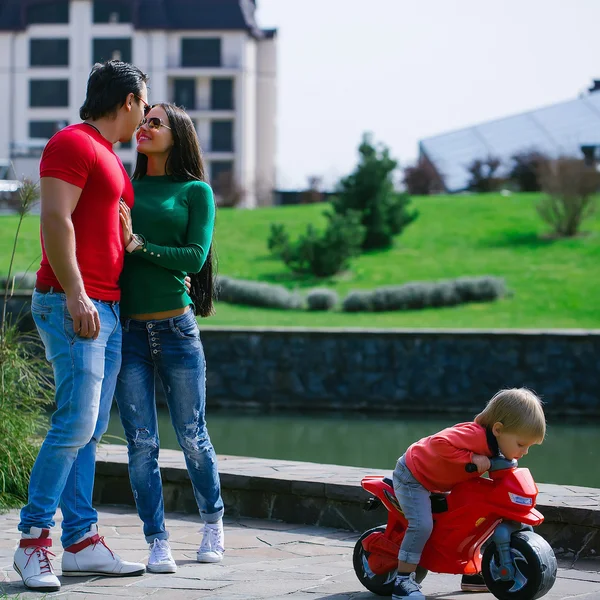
{"points": [[32, 561], [213, 543], [160, 559], [91, 556]]}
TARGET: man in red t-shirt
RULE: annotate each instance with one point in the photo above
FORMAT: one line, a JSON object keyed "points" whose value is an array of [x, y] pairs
{"points": [[75, 308]]}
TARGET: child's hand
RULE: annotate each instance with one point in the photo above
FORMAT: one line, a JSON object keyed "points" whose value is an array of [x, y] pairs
{"points": [[483, 463]]}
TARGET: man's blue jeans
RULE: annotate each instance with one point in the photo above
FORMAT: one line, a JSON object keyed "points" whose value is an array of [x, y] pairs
{"points": [[172, 349], [85, 374]]}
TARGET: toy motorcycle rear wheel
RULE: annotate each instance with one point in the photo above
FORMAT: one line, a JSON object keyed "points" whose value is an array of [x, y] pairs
{"points": [[534, 563], [382, 585]]}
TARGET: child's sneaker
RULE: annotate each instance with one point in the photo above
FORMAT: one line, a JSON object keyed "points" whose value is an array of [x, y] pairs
{"points": [[406, 586], [473, 583]]}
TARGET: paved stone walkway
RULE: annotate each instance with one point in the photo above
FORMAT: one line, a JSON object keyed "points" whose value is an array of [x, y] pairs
{"points": [[264, 559]]}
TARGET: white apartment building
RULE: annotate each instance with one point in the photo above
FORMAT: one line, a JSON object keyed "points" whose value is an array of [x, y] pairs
{"points": [[208, 56]]}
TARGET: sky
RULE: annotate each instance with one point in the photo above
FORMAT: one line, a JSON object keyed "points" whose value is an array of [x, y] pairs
{"points": [[408, 69]]}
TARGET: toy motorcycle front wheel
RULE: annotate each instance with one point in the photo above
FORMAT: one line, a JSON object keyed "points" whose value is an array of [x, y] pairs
{"points": [[382, 585], [534, 563]]}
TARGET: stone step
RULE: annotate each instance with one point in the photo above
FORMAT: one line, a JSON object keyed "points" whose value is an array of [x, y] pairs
{"points": [[328, 495]]}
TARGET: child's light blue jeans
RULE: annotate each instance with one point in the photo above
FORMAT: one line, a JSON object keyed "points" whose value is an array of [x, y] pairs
{"points": [[415, 502]]}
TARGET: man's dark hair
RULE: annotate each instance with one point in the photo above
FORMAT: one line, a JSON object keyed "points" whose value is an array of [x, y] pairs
{"points": [[108, 86]]}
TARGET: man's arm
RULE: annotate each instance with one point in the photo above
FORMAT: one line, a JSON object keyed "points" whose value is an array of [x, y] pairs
{"points": [[59, 200]]}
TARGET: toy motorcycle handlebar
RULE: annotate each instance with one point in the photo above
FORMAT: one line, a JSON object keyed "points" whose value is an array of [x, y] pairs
{"points": [[498, 463]]}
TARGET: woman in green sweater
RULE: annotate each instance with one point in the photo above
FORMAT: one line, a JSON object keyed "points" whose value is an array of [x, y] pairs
{"points": [[173, 219]]}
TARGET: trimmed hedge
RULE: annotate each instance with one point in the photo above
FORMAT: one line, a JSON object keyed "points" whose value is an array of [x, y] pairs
{"points": [[410, 296], [253, 293], [421, 294], [321, 299], [358, 301]]}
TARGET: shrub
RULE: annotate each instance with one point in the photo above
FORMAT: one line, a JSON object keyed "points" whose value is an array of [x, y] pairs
{"points": [[369, 190], [479, 289], [358, 301], [228, 191], [483, 175], [444, 293], [278, 239], [423, 294], [322, 253], [569, 185], [525, 171], [321, 299], [421, 179], [253, 293], [410, 296], [312, 194]]}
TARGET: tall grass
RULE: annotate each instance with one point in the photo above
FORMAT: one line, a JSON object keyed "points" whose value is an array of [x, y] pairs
{"points": [[25, 386]]}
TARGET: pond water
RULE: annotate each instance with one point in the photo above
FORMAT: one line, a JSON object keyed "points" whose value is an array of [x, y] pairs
{"points": [[376, 442]]}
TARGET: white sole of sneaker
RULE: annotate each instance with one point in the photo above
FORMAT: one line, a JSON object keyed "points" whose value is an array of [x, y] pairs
{"points": [[208, 559], [102, 573], [46, 588], [161, 568]]}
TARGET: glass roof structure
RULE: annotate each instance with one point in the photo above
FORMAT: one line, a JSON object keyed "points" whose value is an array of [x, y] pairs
{"points": [[560, 129]]}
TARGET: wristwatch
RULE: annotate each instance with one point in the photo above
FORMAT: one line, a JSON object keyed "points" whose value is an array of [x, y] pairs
{"points": [[137, 243]]}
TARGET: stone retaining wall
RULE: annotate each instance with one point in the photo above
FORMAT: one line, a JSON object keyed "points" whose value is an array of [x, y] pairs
{"points": [[400, 370], [394, 371]]}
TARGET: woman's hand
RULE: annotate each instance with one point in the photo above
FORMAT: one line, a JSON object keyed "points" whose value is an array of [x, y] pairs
{"points": [[188, 284], [125, 217]]}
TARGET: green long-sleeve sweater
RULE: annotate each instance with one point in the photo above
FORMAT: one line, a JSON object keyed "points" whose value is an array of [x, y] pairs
{"points": [[177, 221]]}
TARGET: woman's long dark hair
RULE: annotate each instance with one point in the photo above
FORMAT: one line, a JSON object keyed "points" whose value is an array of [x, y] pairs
{"points": [[185, 164]]}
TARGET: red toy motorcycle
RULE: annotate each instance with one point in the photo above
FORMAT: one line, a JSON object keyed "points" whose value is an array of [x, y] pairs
{"points": [[517, 564]]}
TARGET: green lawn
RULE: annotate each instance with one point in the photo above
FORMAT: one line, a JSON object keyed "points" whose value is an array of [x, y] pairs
{"points": [[556, 283]]}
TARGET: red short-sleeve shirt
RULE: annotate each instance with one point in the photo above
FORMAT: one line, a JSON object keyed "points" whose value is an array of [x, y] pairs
{"points": [[79, 155]]}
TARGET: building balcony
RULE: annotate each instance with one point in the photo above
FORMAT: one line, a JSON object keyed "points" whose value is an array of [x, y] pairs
{"points": [[216, 154], [204, 110], [226, 62]]}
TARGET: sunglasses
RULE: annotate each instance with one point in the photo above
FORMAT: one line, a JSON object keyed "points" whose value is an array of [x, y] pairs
{"points": [[153, 123], [147, 107]]}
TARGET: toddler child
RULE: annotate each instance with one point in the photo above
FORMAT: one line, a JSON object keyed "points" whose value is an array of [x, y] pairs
{"points": [[512, 421]]}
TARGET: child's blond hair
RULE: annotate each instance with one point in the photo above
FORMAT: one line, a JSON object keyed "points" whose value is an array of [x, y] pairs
{"points": [[519, 410]]}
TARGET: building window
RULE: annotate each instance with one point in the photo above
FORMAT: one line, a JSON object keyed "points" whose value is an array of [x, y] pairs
{"points": [[48, 12], [112, 49], [49, 92], [185, 93], [221, 175], [45, 129], [201, 52], [221, 94], [49, 53], [221, 136], [108, 11]]}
